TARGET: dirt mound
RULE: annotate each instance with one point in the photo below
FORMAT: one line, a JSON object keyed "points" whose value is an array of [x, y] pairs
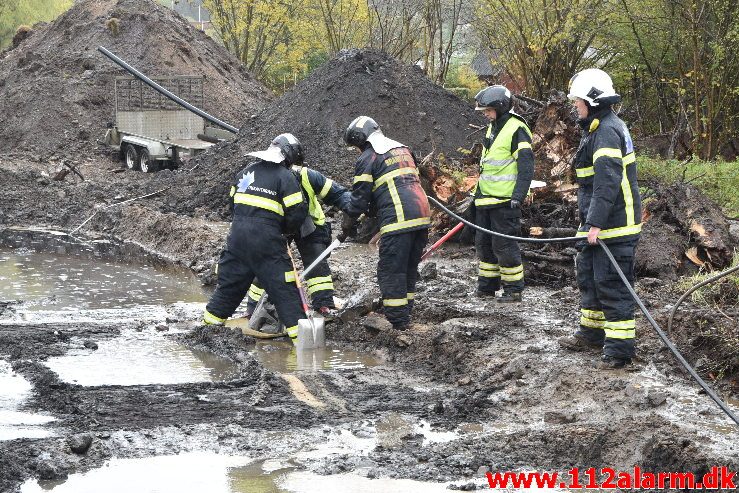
{"points": [[409, 107], [56, 90]]}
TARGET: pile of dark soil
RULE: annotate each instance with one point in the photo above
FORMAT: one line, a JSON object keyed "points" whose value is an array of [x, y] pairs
{"points": [[56, 89], [408, 106]]}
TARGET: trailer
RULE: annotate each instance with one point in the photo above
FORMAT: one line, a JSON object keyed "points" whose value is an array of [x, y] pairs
{"points": [[151, 131]]}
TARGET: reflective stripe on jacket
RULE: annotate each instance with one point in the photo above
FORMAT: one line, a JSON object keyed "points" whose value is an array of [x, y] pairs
{"points": [[507, 162], [268, 192], [320, 189], [605, 165], [390, 183]]}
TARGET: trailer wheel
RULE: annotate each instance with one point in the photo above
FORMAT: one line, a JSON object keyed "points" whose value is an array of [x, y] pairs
{"points": [[147, 164], [132, 157]]}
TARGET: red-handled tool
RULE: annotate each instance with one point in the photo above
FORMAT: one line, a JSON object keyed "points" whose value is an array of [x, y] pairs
{"points": [[441, 241]]}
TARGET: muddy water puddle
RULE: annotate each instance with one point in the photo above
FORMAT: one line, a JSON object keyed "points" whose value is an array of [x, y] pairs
{"points": [[140, 358], [282, 357], [196, 472], [68, 282], [14, 390]]}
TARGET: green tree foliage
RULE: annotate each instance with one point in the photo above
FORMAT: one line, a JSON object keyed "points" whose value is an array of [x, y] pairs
{"points": [[675, 61], [254, 30], [280, 41], [540, 44], [681, 68], [14, 13]]}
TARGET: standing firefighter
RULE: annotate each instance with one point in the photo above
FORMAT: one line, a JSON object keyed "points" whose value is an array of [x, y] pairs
{"points": [[610, 210], [506, 171], [268, 203], [386, 179], [314, 238]]}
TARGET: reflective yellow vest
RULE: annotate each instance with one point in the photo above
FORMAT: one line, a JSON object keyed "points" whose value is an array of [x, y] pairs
{"points": [[498, 167], [315, 211]]}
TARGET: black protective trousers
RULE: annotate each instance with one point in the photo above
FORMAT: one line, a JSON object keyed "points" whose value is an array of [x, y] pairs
{"points": [[397, 273], [606, 307], [318, 283], [500, 259], [256, 249]]}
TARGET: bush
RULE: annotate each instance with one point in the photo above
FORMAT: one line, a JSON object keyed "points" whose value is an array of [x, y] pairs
{"points": [[717, 179]]}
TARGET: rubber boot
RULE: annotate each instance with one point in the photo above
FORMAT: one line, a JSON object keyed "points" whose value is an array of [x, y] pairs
{"points": [[576, 342], [509, 297], [612, 363], [485, 294]]}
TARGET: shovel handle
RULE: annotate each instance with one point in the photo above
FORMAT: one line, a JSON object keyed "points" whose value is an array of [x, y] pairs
{"points": [[303, 297]]}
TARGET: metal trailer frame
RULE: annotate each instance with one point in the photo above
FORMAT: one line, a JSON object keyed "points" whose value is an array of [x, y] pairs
{"points": [[151, 131]]}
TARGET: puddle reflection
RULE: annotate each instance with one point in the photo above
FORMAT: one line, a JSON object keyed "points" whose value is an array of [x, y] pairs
{"points": [[67, 282], [140, 358], [282, 357], [14, 390], [207, 472]]}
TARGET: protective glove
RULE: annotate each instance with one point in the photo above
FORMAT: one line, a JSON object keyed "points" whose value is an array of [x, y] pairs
{"points": [[348, 227], [515, 204]]}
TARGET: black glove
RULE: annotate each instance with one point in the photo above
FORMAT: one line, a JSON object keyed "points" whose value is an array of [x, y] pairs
{"points": [[470, 213], [515, 204], [348, 227]]}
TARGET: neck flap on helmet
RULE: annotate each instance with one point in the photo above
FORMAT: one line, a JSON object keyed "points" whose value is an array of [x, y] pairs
{"points": [[272, 154], [382, 144]]}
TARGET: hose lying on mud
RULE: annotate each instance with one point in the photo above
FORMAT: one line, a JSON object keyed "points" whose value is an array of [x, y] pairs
{"points": [[636, 298]]}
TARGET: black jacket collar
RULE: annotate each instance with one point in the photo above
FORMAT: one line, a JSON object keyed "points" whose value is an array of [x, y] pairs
{"points": [[594, 114]]}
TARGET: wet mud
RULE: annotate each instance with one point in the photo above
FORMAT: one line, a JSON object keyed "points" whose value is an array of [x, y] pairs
{"points": [[471, 387]]}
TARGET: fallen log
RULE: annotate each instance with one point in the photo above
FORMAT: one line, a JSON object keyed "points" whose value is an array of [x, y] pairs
{"points": [[541, 232], [699, 220], [547, 257]]}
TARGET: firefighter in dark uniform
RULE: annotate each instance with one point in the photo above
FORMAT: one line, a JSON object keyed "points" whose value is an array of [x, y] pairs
{"points": [[268, 204], [314, 238], [506, 171], [386, 180], [610, 210]]}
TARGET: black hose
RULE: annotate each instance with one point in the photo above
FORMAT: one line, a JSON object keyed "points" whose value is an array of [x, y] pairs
{"points": [[501, 235], [626, 282], [666, 340], [165, 92], [691, 290]]}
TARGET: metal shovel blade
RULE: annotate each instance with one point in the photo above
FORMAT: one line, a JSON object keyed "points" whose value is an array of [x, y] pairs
{"points": [[311, 335]]}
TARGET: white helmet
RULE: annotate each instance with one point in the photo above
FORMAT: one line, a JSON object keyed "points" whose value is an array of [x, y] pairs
{"points": [[594, 86]]}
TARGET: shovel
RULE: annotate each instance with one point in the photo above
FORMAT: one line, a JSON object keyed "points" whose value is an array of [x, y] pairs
{"points": [[310, 330], [255, 318]]}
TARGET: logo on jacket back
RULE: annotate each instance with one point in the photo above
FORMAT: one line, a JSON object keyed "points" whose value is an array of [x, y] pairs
{"points": [[246, 180]]}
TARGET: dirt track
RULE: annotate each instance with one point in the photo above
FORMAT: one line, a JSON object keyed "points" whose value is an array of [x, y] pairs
{"points": [[492, 381], [495, 377]]}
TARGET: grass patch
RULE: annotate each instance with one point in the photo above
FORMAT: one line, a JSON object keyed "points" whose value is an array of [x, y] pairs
{"points": [[724, 292], [717, 179]]}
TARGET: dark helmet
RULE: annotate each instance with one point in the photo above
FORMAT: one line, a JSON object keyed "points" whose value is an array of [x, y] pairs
{"points": [[359, 129], [496, 97], [290, 147]]}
